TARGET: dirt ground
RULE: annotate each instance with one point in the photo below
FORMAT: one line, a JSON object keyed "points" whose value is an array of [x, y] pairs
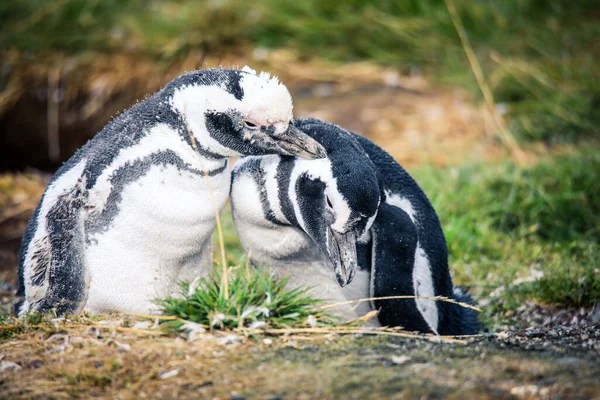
{"points": [[106, 359], [416, 124]]}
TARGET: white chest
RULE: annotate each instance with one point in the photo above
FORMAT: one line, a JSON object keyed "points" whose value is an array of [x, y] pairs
{"points": [[156, 235], [164, 214], [319, 278], [268, 243]]}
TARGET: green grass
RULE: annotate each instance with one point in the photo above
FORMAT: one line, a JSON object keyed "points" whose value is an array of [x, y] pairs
{"points": [[255, 299], [541, 58], [11, 326]]}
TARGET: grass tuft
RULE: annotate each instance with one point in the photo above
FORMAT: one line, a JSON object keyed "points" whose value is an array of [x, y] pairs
{"points": [[256, 300], [570, 280]]}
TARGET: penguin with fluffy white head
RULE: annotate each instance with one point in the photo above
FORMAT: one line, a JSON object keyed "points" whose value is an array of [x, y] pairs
{"points": [[400, 247], [132, 212]]}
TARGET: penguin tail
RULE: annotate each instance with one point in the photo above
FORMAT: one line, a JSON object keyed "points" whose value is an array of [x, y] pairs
{"points": [[462, 320]]}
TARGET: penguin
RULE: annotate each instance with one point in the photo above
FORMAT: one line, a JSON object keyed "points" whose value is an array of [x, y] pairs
{"points": [[408, 256], [301, 219], [131, 214], [402, 251]]}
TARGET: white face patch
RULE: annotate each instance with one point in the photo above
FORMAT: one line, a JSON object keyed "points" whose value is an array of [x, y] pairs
{"points": [[243, 186], [366, 236], [321, 169], [269, 165], [193, 102], [265, 101]]}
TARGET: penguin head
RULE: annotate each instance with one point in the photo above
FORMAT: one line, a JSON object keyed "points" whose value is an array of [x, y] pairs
{"points": [[335, 198], [239, 112]]}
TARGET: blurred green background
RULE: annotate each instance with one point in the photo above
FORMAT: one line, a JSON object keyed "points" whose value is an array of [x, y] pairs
{"points": [[539, 56], [523, 227]]}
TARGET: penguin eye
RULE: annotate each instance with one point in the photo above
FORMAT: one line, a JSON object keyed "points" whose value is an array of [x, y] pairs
{"points": [[250, 125], [329, 202]]}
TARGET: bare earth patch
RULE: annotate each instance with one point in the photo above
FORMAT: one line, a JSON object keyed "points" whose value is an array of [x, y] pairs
{"points": [[121, 359]]}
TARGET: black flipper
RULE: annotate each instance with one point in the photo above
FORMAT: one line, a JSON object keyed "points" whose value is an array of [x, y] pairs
{"points": [[67, 278], [395, 241]]}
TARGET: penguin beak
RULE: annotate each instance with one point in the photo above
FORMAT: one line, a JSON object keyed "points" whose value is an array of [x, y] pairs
{"points": [[341, 248], [291, 142], [297, 143]]}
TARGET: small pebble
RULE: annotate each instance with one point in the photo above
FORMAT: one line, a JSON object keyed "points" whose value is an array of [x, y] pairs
{"points": [[9, 366], [58, 337], [169, 374], [142, 325], [94, 332], [400, 359], [122, 347]]}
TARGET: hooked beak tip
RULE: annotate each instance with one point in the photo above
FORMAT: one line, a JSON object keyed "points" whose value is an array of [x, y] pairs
{"points": [[343, 256], [342, 280], [297, 143]]}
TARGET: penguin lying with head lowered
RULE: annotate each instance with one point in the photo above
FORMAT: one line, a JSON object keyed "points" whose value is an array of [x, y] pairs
{"points": [[301, 217], [400, 246], [132, 212]]}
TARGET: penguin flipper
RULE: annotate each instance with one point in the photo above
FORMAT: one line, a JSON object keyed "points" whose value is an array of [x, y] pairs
{"points": [[395, 240], [58, 279], [39, 264]]}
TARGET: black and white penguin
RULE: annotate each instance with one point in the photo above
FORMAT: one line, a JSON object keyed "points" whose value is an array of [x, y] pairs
{"points": [[132, 212], [301, 219], [403, 251], [408, 255]]}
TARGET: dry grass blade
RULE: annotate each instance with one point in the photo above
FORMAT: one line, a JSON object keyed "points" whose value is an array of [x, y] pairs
{"points": [[506, 136], [341, 330], [521, 72], [154, 317], [436, 298], [365, 318]]}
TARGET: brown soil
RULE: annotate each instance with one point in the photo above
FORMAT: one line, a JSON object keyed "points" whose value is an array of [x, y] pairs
{"points": [[106, 360]]}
